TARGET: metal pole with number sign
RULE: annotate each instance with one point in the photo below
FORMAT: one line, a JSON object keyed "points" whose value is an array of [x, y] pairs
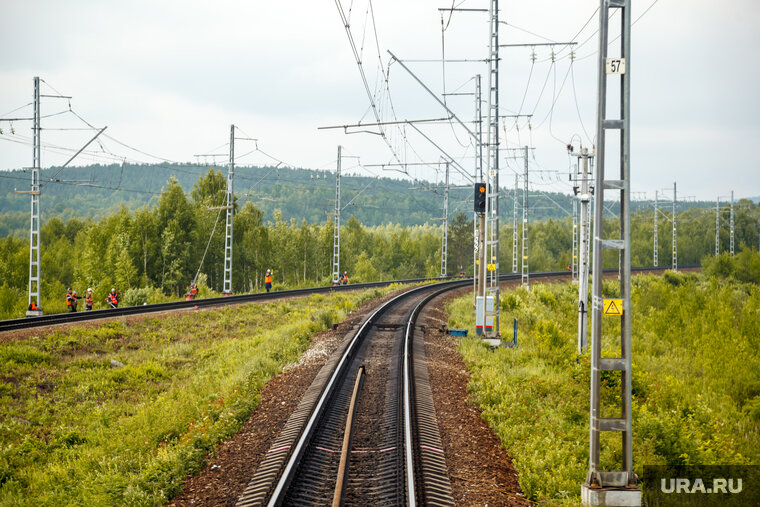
{"points": [[605, 487]]}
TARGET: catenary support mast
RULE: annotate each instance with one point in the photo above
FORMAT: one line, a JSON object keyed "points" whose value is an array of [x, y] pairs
{"points": [[444, 232], [230, 205], [336, 226], [35, 277], [731, 225], [654, 236], [515, 234], [717, 226], [607, 487], [477, 225], [525, 273], [675, 231], [491, 287]]}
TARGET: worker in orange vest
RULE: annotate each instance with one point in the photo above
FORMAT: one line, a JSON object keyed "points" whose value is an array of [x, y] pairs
{"points": [[113, 298], [344, 278], [193, 289], [268, 280], [68, 298], [88, 300], [71, 300]]}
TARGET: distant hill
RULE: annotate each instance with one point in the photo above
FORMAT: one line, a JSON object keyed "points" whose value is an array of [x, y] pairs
{"points": [[95, 191]]}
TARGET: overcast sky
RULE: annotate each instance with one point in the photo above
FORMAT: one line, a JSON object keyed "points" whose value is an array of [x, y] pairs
{"points": [[168, 78]]}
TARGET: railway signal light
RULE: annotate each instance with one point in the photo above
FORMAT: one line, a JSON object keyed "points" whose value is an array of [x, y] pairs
{"points": [[480, 197]]}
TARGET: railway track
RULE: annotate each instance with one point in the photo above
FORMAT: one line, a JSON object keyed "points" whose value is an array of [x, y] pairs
{"points": [[65, 318], [365, 431]]}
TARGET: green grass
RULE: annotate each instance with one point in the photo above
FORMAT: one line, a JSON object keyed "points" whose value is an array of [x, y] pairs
{"points": [[696, 379], [75, 430]]}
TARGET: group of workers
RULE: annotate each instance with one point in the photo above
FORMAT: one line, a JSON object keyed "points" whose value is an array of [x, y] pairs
{"points": [[72, 300], [112, 298]]}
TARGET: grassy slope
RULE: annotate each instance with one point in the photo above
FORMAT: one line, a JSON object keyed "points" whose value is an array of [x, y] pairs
{"points": [[75, 430], [696, 383]]}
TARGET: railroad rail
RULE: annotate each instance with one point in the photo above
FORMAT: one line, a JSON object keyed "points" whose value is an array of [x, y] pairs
{"points": [[366, 438], [65, 318], [389, 442]]}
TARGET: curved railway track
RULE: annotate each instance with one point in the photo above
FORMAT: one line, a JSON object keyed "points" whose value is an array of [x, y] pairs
{"points": [[65, 318], [365, 432], [385, 431]]}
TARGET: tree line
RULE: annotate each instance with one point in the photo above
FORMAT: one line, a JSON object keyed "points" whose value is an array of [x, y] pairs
{"points": [[152, 254]]}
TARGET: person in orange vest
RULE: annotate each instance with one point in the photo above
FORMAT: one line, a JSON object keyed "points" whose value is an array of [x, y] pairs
{"points": [[68, 298], [72, 301], [88, 300], [193, 289], [113, 298], [344, 278], [268, 280], [33, 306]]}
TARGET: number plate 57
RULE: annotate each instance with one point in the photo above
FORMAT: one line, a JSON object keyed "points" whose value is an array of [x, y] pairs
{"points": [[615, 66]]}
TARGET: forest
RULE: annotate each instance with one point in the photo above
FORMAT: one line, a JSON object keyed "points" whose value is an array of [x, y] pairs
{"points": [[98, 191], [152, 253]]}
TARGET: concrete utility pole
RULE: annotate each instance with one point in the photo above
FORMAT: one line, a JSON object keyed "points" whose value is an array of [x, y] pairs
{"points": [[584, 195], [717, 226], [514, 225], [731, 224], [35, 277], [612, 487], [675, 231], [230, 205], [654, 237], [490, 289], [336, 226], [525, 273], [444, 232]]}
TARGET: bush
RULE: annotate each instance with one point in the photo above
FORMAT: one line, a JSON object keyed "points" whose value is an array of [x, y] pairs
{"points": [[142, 295], [744, 266]]}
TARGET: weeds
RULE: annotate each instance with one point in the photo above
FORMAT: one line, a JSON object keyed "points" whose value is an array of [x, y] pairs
{"points": [[696, 379], [121, 414]]}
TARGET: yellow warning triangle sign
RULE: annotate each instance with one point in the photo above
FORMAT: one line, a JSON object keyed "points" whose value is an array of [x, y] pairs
{"points": [[612, 307]]}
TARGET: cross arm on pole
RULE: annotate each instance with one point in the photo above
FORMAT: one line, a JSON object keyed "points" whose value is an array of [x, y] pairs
{"points": [[453, 115], [77, 153]]}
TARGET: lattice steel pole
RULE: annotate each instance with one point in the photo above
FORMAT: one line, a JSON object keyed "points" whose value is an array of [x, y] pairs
{"points": [[478, 245], [336, 226], [444, 232], [230, 204], [514, 226], [731, 224], [605, 487], [525, 272], [675, 231], [491, 287], [654, 237], [717, 226], [35, 276]]}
